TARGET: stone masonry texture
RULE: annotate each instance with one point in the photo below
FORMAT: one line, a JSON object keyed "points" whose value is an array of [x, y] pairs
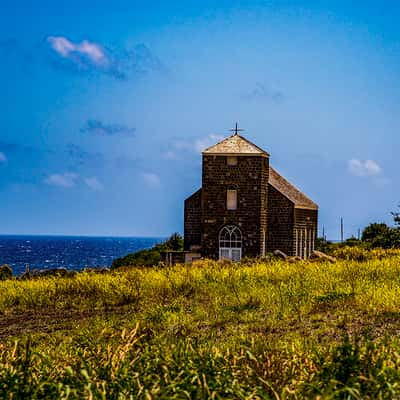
{"points": [[270, 210]]}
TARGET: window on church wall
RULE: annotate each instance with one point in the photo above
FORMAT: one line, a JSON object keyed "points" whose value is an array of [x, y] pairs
{"points": [[304, 242], [232, 160], [231, 199]]}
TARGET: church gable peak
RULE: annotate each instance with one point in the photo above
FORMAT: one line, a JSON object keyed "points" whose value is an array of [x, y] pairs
{"points": [[236, 145]]}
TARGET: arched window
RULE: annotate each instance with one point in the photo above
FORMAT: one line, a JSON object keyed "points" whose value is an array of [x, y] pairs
{"points": [[230, 243]]}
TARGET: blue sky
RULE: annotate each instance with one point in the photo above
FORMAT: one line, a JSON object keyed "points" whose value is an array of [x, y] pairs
{"points": [[106, 107]]}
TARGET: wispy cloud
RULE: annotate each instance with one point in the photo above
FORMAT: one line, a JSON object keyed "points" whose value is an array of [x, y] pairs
{"points": [[196, 145], [66, 180], [140, 59], [70, 180], [364, 167], [84, 56], [79, 52], [89, 57], [3, 157], [98, 127], [263, 92], [201, 144], [151, 180], [94, 184]]}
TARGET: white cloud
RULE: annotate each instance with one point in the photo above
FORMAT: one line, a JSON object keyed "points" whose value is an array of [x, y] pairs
{"points": [[3, 157], [151, 180], [364, 167], [94, 184], [67, 180], [68, 49], [61, 45], [207, 141], [195, 145]]}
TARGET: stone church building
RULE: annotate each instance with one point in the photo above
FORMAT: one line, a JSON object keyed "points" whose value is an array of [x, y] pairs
{"points": [[245, 208]]}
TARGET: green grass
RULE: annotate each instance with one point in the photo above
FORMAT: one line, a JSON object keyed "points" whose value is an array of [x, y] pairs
{"points": [[208, 330]]}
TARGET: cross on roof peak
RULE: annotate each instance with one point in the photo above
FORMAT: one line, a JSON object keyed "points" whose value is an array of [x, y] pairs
{"points": [[236, 129]]}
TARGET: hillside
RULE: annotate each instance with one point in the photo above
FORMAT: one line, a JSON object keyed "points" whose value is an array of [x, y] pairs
{"points": [[253, 330]]}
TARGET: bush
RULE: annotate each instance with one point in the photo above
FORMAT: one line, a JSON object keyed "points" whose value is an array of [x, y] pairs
{"points": [[147, 257], [150, 257], [374, 230], [355, 253], [323, 245], [381, 235], [5, 272], [390, 240], [174, 242]]}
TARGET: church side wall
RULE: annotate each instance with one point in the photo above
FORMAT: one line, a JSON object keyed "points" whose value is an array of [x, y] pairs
{"points": [[280, 222], [264, 191], [305, 231], [192, 221]]}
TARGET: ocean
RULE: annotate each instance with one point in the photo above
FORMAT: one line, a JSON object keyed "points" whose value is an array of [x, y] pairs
{"points": [[71, 252]]}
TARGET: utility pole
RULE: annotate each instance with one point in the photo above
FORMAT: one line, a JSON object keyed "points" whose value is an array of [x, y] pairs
{"points": [[341, 230]]}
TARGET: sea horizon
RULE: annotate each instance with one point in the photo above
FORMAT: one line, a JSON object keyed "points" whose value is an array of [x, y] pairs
{"points": [[80, 235], [41, 252]]}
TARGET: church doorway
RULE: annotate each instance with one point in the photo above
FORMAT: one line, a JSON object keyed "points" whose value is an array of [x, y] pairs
{"points": [[230, 243]]}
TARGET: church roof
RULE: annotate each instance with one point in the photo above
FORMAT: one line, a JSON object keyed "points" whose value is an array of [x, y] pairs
{"points": [[236, 144], [299, 199]]}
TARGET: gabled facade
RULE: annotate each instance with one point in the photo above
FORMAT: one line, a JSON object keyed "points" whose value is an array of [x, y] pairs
{"points": [[245, 208]]}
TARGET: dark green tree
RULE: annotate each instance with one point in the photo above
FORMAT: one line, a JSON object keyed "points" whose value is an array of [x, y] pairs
{"points": [[174, 242], [396, 217], [372, 231]]}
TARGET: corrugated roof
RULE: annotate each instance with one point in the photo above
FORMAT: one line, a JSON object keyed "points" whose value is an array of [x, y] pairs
{"points": [[299, 199], [235, 144]]}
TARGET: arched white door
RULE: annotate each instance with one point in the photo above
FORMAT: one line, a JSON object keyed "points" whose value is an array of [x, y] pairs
{"points": [[230, 243]]}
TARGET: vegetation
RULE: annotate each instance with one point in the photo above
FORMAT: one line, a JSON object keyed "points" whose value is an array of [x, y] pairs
{"points": [[255, 330], [5, 272], [374, 236], [150, 257], [380, 235], [396, 217]]}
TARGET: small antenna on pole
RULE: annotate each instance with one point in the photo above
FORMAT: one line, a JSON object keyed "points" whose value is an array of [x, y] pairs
{"points": [[236, 129]]}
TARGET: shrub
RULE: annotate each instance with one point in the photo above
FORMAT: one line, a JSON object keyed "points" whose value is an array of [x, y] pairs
{"points": [[5, 272], [147, 257], [381, 235], [150, 257], [363, 254], [372, 231], [388, 241], [174, 242]]}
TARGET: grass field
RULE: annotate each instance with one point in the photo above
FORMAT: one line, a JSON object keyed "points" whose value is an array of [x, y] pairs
{"points": [[209, 330]]}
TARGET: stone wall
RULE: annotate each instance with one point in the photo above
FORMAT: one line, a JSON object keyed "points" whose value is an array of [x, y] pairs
{"points": [[192, 221], [249, 177], [280, 222]]}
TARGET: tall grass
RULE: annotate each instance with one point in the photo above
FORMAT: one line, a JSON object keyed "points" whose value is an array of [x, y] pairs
{"points": [[207, 330], [127, 365]]}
